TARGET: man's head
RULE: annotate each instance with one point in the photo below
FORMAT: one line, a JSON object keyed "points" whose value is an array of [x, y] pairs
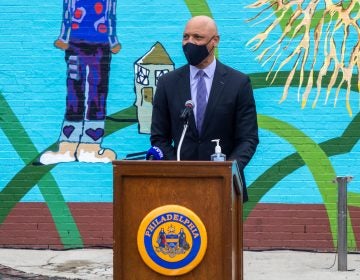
{"points": [[200, 39]]}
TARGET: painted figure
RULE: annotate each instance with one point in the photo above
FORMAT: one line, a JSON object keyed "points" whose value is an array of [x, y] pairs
{"points": [[182, 239], [161, 239], [88, 37]]}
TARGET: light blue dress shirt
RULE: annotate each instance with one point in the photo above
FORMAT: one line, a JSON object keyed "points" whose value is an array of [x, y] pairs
{"points": [[209, 71]]}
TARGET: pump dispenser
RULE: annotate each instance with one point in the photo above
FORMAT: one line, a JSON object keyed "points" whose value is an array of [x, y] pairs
{"points": [[217, 156]]}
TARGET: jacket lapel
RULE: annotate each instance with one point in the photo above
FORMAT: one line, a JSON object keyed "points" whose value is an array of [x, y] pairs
{"points": [[183, 85], [215, 92], [184, 92]]}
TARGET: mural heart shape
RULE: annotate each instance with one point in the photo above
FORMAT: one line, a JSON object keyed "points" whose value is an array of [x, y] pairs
{"points": [[95, 134], [68, 129]]}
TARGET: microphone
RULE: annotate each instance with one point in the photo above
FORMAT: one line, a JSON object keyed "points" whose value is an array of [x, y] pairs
{"points": [[154, 153], [189, 107]]}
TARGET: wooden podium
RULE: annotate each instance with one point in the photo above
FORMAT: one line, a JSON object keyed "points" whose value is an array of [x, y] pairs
{"points": [[212, 190]]}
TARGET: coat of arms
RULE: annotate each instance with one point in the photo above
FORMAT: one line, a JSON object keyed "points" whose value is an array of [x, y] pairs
{"points": [[172, 243]]}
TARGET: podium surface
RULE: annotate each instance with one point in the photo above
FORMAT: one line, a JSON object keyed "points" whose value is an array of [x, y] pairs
{"points": [[209, 190]]}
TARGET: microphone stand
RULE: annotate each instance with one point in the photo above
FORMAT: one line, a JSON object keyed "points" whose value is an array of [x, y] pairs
{"points": [[186, 124], [189, 107]]}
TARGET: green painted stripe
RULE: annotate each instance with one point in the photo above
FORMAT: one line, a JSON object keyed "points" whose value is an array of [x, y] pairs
{"points": [[340, 145], [258, 80], [317, 162], [30, 175], [354, 199], [198, 7], [125, 114], [60, 212]]}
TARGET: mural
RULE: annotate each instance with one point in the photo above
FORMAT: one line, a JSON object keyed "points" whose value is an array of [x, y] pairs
{"points": [[296, 52]]}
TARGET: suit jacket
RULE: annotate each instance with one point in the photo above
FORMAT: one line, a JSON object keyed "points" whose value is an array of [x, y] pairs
{"points": [[230, 116]]}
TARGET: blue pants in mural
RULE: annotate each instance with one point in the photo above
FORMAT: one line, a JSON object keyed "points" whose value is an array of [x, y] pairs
{"points": [[88, 67], [87, 81]]}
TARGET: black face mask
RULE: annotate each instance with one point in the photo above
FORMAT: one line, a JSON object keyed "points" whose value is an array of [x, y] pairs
{"points": [[195, 54]]}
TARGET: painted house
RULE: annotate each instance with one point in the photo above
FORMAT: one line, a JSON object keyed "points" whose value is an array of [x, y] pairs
{"points": [[155, 63]]}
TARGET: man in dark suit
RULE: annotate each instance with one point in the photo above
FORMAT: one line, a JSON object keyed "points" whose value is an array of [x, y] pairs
{"points": [[230, 113]]}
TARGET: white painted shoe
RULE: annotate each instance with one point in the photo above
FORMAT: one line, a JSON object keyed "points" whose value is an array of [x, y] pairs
{"points": [[94, 153], [66, 153]]}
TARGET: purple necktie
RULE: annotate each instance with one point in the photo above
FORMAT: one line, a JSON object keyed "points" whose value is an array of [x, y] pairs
{"points": [[200, 99]]}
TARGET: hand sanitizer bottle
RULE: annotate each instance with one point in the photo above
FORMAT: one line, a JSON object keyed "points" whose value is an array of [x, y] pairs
{"points": [[217, 156]]}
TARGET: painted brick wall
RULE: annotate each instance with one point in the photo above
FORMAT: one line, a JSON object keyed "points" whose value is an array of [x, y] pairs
{"points": [[309, 122]]}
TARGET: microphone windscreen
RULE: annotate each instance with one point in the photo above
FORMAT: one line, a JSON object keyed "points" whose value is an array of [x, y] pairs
{"points": [[154, 153], [190, 104]]}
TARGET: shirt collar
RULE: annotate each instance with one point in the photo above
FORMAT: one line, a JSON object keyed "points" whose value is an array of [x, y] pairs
{"points": [[209, 70]]}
